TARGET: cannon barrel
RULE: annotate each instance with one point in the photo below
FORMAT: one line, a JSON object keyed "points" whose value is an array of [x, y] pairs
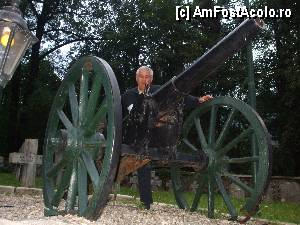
{"points": [[185, 82]]}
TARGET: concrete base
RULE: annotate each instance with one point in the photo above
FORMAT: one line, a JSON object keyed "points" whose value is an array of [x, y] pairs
{"points": [[7, 190], [20, 190], [28, 191]]}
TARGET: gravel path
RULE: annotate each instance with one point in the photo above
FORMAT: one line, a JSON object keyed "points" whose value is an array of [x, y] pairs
{"points": [[20, 210]]}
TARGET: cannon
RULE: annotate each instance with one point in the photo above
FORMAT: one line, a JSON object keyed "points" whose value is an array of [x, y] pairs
{"points": [[85, 152]]}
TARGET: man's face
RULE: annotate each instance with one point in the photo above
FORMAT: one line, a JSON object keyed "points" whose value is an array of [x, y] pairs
{"points": [[143, 78]]}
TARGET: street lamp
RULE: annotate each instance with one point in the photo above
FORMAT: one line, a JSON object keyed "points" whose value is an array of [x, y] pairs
{"points": [[15, 39]]}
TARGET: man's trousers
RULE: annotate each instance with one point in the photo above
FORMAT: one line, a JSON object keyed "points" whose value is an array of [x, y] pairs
{"points": [[144, 185]]}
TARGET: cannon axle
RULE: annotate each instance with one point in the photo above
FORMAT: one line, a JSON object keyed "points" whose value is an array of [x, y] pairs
{"points": [[163, 158]]}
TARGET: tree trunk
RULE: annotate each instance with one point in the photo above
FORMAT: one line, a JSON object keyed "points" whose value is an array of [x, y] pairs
{"points": [[14, 138], [34, 61]]}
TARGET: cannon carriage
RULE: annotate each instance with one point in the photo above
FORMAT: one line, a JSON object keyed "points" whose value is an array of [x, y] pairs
{"points": [[85, 151]]}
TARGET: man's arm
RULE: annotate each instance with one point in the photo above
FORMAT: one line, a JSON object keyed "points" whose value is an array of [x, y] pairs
{"points": [[192, 101]]}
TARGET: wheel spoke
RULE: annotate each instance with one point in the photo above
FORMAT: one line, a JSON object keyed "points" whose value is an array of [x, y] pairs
{"points": [[83, 96], [91, 168], [62, 185], [255, 153], [211, 197], [180, 188], [183, 202], [94, 144], [200, 134], [66, 122], [56, 168], [100, 115], [177, 188], [82, 187], [238, 182], [72, 190], [73, 104], [93, 98], [189, 144], [242, 160], [197, 197], [234, 142], [225, 129], [226, 197], [212, 126]]}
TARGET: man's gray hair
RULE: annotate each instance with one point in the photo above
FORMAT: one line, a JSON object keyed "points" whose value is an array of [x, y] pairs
{"points": [[144, 68]]}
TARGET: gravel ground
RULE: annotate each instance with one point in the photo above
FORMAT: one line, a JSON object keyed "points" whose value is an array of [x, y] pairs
{"points": [[20, 210]]}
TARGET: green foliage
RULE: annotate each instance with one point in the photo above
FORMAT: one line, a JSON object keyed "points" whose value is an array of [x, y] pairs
{"points": [[146, 33], [20, 121], [35, 114], [278, 86]]}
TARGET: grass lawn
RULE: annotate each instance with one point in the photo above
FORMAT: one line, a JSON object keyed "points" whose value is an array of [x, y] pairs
{"points": [[275, 211], [9, 179]]}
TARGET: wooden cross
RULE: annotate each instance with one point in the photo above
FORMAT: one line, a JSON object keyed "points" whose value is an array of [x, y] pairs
{"points": [[27, 159]]}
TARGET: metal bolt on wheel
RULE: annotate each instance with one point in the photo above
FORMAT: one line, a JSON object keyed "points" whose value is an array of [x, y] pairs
{"points": [[223, 129], [83, 140]]}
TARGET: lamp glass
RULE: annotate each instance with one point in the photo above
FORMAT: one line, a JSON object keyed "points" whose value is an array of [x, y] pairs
{"points": [[13, 43]]}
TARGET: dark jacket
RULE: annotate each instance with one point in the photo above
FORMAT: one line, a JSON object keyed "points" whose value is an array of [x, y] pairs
{"points": [[131, 96]]}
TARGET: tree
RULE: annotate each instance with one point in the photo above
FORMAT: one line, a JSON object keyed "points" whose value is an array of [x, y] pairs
{"points": [[56, 24], [146, 33], [279, 87]]}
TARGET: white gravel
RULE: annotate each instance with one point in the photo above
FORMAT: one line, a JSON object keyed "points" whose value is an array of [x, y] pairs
{"points": [[20, 210]]}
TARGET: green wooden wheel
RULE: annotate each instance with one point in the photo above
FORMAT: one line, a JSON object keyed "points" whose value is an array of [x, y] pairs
{"points": [[224, 129], [83, 140]]}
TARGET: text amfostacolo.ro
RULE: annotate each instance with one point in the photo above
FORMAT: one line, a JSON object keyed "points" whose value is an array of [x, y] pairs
{"points": [[187, 12]]}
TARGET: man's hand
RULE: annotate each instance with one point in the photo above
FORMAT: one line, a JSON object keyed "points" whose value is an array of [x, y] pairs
{"points": [[204, 98]]}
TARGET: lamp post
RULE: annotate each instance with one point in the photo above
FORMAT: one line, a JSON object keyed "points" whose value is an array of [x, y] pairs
{"points": [[15, 39]]}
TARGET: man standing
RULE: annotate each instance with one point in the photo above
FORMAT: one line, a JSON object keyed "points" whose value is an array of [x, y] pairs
{"points": [[144, 78]]}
